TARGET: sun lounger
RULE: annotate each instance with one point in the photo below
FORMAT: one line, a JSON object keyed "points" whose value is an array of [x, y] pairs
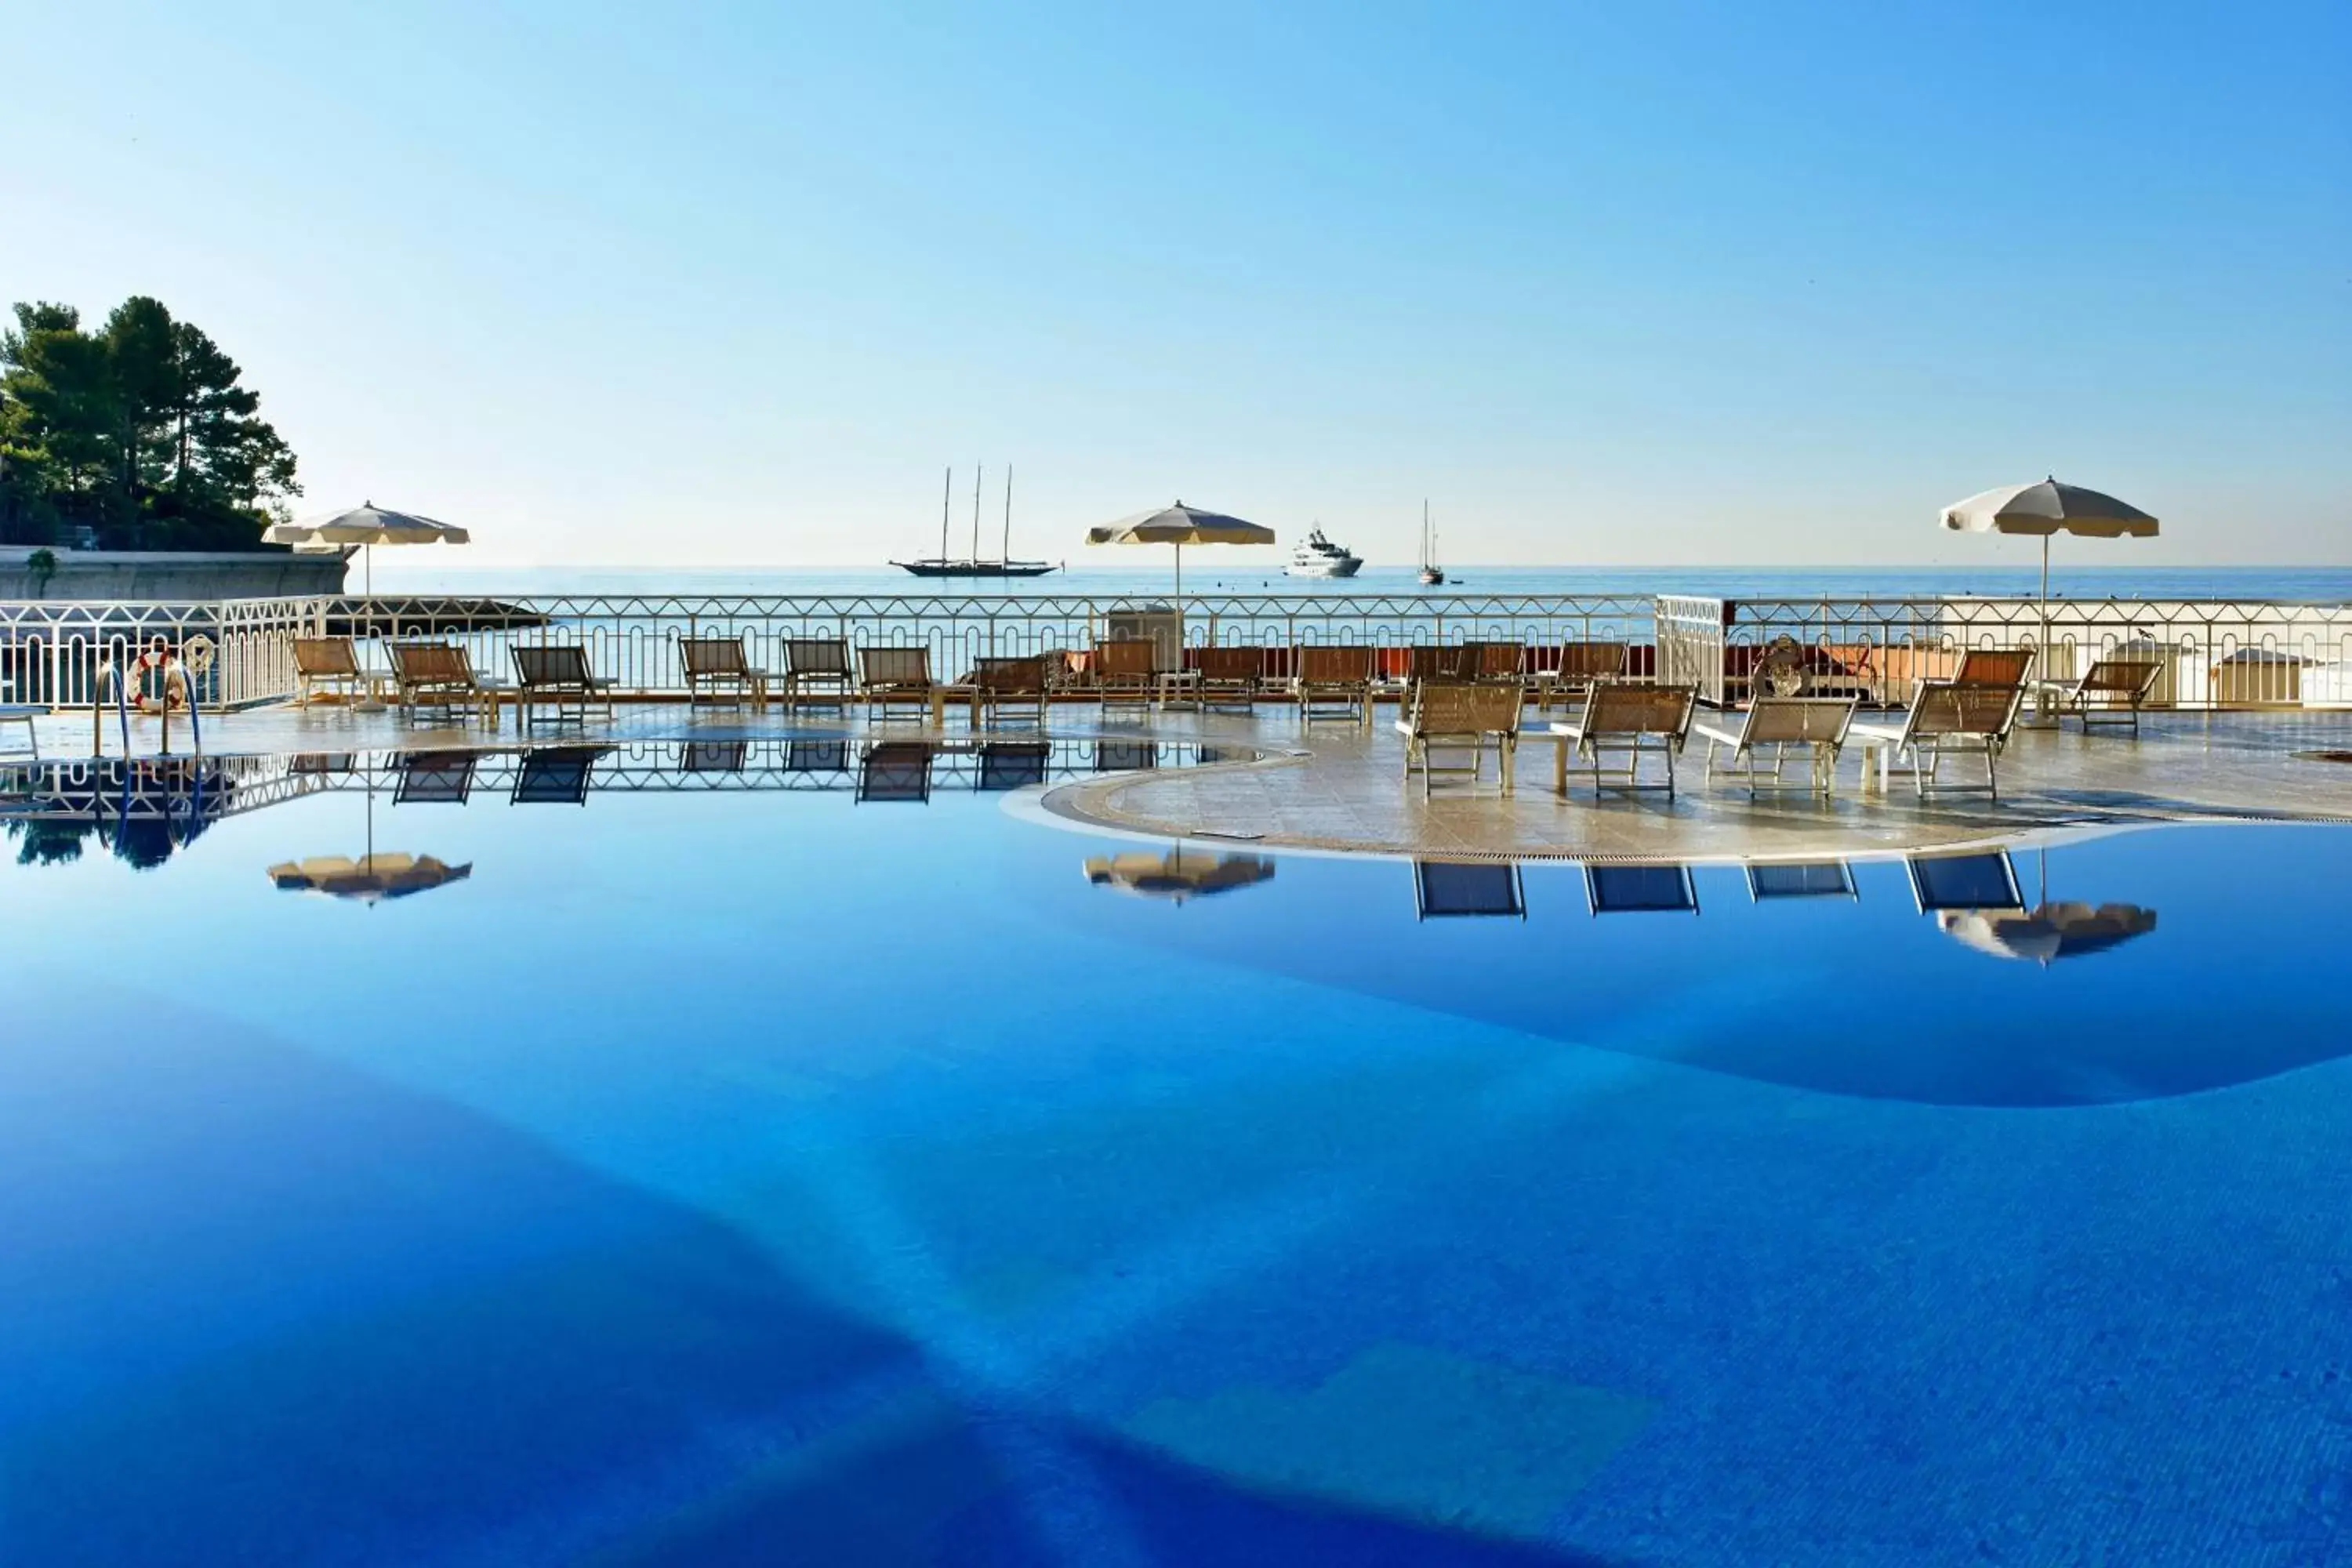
{"points": [[1580, 664], [1640, 889], [1994, 665], [1007, 686], [1817, 723], [1334, 675], [2110, 692], [896, 771], [1446, 888], [817, 669], [717, 669], [1230, 676], [560, 677], [1947, 715], [887, 675], [1125, 671], [440, 675], [330, 662], [555, 776], [23, 714], [1458, 713], [1619, 716]]}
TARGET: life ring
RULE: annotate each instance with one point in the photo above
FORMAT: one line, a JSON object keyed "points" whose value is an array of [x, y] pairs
{"points": [[157, 656]]}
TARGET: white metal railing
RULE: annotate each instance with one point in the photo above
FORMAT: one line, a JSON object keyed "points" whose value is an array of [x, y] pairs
{"points": [[52, 651], [633, 639], [2212, 653], [2216, 654]]}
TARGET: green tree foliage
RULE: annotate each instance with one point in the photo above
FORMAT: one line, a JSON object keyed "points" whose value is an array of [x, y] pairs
{"points": [[141, 431]]}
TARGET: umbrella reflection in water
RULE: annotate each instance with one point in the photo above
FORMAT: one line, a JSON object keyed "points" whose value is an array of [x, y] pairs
{"points": [[1176, 876]]}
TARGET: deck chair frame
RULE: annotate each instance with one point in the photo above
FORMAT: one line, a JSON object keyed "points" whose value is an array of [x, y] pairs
{"points": [[818, 671], [557, 676], [720, 668], [1968, 717], [2112, 692], [1461, 714], [891, 674], [1819, 724], [1637, 720], [1334, 675]]}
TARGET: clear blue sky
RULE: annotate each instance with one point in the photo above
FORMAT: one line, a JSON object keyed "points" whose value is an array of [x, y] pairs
{"points": [[1643, 283]]}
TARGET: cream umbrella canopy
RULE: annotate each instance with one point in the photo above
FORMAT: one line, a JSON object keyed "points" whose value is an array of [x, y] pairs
{"points": [[366, 525], [1180, 525], [2044, 509]]}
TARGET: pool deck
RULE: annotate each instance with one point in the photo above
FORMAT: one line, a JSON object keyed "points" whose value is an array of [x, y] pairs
{"points": [[1339, 787]]}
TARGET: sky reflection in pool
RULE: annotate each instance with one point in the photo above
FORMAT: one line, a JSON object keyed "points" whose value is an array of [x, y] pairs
{"points": [[718, 1177]]}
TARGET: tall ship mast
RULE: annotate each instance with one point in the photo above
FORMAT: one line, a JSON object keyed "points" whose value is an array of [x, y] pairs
{"points": [[1432, 574], [975, 564]]}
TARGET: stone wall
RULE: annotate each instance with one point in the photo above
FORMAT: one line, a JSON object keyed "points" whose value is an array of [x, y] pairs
{"points": [[170, 577]]}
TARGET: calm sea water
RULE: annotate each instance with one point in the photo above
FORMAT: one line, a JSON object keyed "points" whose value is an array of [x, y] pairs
{"points": [[811, 1174], [435, 571]]}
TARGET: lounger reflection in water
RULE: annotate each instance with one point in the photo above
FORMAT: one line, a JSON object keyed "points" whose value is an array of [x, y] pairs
{"points": [[895, 771], [556, 775], [1637, 889], [1801, 880], [1447, 889]]}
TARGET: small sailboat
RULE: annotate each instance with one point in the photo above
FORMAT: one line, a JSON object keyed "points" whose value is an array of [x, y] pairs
{"points": [[1432, 574]]}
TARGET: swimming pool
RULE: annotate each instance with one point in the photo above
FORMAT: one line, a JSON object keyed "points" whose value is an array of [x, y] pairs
{"points": [[847, 1175]]}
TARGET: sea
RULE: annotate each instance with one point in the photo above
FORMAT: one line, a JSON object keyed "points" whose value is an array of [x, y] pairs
{"points": [[438, 571]]}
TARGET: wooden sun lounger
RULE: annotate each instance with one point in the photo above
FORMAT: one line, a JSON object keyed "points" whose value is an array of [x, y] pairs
{"points": [[2110, 692], [1230, 676], [1581, 665], [1125, 670], [717, 669], [558, 676], [1949, 715], [1334, 674], [1621, 716], [1462, 713], [440, 675], [1817, 723], [1005, 685], [330, 662], [817, 669]]}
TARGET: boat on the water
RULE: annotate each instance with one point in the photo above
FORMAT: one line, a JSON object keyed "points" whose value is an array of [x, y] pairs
{"points": [[975, 564], [1432, 574], [1316, 557]]}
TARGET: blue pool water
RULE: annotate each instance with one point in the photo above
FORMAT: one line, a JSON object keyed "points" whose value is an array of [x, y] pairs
{"points": [[778, 1176]]}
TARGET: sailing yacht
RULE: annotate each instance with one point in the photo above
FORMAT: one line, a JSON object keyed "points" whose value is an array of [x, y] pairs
{"points": [[975, 564], [1432, 574], [1316, 557]]}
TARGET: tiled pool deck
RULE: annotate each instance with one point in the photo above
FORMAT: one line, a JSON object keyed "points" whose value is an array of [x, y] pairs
{"points": [[1339, 787]]}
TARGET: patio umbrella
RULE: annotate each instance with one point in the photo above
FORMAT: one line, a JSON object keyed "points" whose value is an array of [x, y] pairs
{"points": [[2048, 932], [1180, 525], [368, 878], [1176, 877], [367, 525], [2045, 508]]}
